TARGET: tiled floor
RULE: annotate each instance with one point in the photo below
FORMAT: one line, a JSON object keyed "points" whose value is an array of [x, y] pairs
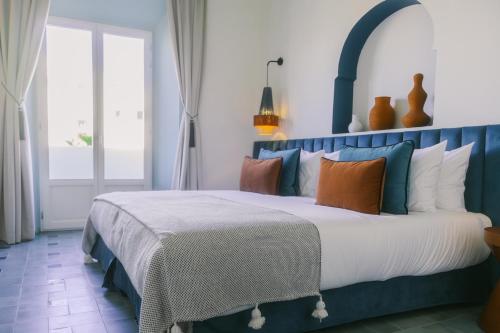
{"points": [[45, 287], [448, 319]]}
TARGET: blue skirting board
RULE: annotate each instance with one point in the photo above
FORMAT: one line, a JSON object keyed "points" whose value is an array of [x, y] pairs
{"points": [[344, 305]]}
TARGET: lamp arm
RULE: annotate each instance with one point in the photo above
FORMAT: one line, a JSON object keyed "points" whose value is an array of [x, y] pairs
{"points": [[279, 61]]}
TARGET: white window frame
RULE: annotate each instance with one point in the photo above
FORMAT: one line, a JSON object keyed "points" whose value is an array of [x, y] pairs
{"points": [[100, 184]]}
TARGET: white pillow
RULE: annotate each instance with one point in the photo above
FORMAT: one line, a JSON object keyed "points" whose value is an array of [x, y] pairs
{"points": [[451, 186], [334, 156], [309, 172], [425, 169]]}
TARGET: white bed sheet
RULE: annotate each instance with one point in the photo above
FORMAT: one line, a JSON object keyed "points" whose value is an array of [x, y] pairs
{"points": [[358, 247]]}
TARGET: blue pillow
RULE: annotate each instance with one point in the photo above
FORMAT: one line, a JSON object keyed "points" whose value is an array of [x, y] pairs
{"points": [[289, 169], [396, 177]]}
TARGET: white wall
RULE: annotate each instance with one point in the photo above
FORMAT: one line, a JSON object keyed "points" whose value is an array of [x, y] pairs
{"points": [[310, 36], [242, 35], [234, 75], [467, 39]]}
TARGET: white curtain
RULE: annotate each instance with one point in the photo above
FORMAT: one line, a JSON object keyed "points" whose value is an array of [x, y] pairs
{"points": [[187, 24], [22, 25]]}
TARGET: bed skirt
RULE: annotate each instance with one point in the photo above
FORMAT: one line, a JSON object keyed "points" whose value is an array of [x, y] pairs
{"points": [[344, 305]]}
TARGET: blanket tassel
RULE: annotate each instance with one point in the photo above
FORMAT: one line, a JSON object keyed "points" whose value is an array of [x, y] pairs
{"points": [[87, 259], [320, 311], [257, 320], [175, 329]]}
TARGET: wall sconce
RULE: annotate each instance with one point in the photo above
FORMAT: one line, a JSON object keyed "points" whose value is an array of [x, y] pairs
{"points": [[266, 121]]}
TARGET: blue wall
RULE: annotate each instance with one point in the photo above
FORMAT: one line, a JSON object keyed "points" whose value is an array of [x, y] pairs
{"points": [[166, 105], [147, 15], [139, 14]]}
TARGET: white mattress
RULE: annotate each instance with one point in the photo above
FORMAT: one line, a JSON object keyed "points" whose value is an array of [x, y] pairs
{"points": [[360, 248]]}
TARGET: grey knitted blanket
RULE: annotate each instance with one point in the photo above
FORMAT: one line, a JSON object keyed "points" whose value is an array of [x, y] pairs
{"points": [[192, 256]]}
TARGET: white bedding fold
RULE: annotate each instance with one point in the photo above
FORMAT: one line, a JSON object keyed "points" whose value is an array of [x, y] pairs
{"points": [[357, 247]]}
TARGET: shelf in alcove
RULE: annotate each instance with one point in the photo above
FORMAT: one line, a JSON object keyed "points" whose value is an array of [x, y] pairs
{"points": [[392, 130]]}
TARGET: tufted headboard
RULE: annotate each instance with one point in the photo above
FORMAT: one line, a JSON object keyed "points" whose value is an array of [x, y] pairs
{"points": [[482, 193]]}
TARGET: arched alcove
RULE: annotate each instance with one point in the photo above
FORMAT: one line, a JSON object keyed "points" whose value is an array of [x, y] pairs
{"points": [[398, 48], [348, 63]]}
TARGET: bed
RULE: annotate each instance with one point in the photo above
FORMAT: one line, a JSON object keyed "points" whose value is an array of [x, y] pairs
{"points": [[370, 265]]}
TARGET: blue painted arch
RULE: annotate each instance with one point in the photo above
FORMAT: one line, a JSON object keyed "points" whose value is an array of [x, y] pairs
{"points": [[348, 63]]}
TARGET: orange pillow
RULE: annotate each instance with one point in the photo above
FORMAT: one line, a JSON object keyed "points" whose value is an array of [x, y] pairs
{"points": [[261, 176], [356, 186]]}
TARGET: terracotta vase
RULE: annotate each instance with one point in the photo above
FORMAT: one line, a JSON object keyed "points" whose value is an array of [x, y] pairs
{"points": [[382, 114], [416, 116]]}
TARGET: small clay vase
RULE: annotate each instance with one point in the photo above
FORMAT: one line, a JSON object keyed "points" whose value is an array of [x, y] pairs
{"points": [[382, 114], [416, 117]]}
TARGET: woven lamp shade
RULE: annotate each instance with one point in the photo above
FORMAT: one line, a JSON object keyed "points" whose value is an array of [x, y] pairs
{"points": [[266, 121]]}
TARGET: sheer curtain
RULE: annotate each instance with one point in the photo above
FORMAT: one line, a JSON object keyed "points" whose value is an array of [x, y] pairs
{"points": [[187, 25], [22, 25]]}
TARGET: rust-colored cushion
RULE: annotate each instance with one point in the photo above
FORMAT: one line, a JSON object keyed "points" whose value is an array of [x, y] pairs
{"points": [[261, 176], [356, 186]]}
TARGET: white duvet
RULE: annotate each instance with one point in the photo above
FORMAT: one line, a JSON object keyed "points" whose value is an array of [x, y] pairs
{"points": [[358, 247]]}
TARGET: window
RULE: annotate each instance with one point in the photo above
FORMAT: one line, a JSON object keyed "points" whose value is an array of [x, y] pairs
{"points": [[96, 88], [94, 83], [70, 103], [123, 99]]}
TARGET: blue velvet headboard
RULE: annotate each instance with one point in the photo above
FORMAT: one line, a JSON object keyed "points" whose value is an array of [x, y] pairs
{"points": [[482, 192]]}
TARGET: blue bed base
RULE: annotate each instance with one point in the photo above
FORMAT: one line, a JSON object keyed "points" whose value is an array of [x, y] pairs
{"points": [[345, 305], [370, 299]]}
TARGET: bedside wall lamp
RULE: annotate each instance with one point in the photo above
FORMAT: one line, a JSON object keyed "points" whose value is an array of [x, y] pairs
{"points": [[266, 121]]}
